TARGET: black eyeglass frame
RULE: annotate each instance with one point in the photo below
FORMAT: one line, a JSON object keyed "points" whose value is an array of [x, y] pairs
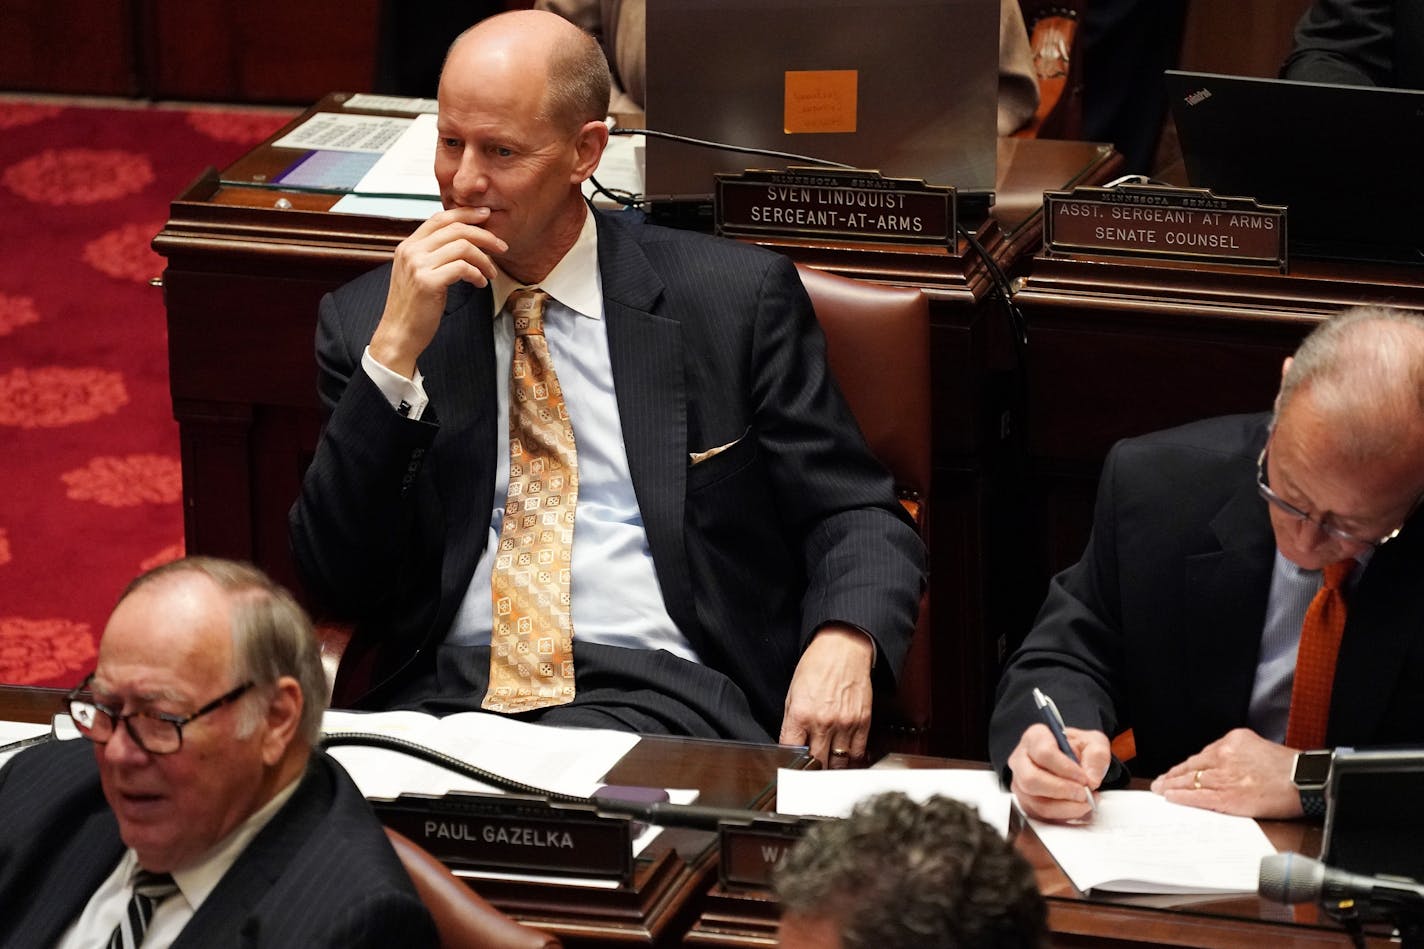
{"points": [[177, 721], [1281, 504]]}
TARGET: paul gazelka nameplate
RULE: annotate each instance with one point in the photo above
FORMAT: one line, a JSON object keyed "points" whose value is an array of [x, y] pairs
{"points": [[863, 206], [1187, 224], [510, 832]]}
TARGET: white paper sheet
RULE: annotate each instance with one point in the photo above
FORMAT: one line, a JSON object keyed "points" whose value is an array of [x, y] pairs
{"points": [[566, 760], [378, 103], [1138, 842], [835, 793], [15, 732], [345, 132]]}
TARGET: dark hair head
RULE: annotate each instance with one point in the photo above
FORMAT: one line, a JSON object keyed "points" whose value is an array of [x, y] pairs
{"points": [[919, 876]]}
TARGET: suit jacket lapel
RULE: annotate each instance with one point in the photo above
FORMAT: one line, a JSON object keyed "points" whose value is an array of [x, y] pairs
{"points": [[1226, 610], [1381, 623], [233, 903], [92, 856], [461, 370], [645, 350]]}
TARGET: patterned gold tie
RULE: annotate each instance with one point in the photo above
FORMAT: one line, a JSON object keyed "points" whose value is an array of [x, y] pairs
{"points": [[1320, 637], [531, 641]]}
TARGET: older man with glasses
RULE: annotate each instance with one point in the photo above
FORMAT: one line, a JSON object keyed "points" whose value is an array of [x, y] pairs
{"points": [[1251, 596], [197, 813]]}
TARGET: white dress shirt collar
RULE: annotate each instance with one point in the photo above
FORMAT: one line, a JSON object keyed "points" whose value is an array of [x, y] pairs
{"points": [[575, 281], [198, 880]]}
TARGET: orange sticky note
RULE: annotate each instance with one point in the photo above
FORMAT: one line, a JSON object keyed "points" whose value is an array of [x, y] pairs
{"points": [[821, 100]]}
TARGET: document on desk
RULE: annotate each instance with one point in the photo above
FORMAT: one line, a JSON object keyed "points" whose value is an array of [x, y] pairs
{"points": [[1138, 842], [15, 737], [345, 132], [835, 793], [566, 760]]}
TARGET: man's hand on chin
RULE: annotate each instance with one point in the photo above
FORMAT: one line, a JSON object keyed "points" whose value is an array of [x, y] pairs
{"points": [[828, 704], [1241, 773]]}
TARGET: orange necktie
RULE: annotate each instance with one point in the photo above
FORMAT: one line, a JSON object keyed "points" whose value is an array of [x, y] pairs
{"points": [[1315, 660], [531, 640]]}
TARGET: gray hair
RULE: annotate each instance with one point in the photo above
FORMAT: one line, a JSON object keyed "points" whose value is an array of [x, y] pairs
{"points": [[271, 635], [1365, 368], [901, 874]]}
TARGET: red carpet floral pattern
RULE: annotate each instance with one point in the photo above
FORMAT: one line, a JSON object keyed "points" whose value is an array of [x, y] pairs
{"points": [[91, 471]]}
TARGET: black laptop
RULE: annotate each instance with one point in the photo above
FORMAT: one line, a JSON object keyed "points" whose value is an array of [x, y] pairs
{"points": [[918, 81], [1348, 161]]}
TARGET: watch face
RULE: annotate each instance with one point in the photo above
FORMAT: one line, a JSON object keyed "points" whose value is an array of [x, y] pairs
{"points": [[1312, 768]]}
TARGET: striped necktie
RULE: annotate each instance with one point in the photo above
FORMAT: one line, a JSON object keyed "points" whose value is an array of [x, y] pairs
{"points": [[149, 889]]}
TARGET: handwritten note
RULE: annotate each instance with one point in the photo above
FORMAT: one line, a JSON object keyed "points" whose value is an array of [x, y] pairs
{"points": [[821, 100]]}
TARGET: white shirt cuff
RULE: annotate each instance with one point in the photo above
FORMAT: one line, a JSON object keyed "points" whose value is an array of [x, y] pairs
{"points": [[406, 396]]}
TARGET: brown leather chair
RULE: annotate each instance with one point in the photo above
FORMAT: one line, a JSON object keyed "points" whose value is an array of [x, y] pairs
{"points": [[463, 919], [1054, 30], [878, 346]]}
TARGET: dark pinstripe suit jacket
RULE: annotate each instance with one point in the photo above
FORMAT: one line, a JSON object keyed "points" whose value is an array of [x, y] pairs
{"points": [[321, 873], [711, 342], [1158, 627]]}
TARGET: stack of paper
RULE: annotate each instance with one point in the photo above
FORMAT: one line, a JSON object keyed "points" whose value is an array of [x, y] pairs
{"points": [[1138, 842], [835, 793]]}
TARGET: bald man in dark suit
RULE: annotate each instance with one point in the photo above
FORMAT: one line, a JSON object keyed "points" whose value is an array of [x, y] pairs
{"points": [[740, 567]]}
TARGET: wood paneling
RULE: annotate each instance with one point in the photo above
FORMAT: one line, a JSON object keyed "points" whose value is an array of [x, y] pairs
{"points": [[80, 46]]}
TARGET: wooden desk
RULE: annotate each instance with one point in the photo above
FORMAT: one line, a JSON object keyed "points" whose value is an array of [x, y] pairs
{"points": [[669, 878], [746, 918], [242, 286]]}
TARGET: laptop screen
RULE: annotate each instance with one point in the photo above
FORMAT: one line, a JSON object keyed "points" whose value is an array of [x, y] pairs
{"points": [[907, 87], [1344, 159], [1373, 822]]}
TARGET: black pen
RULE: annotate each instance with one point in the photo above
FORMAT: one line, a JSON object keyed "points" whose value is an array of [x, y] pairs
{"points": [[1054, 721]]}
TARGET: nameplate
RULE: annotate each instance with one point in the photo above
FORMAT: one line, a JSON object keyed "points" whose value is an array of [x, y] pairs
{"points": [[1188, 224], [863, 206], [511, 833], [748, 854]]}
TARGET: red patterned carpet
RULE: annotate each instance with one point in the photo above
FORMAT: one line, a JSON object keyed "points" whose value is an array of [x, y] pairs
{"points": [[90, 482]]}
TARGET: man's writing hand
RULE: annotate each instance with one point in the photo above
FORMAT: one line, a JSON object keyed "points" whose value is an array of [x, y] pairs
{"points": [[828, 704], [1241, 773], [450, 246], [1048, 784]]}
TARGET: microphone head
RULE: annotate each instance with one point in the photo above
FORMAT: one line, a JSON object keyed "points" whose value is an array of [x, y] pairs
{"points": [[1290, 878]]}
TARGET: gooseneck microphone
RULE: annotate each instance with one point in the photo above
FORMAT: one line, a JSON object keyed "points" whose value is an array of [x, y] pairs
{"points": [[1293, 878]]}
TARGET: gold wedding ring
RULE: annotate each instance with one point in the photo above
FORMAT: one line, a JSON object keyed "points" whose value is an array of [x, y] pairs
{"points": [[840, 753], [1196, 780]]}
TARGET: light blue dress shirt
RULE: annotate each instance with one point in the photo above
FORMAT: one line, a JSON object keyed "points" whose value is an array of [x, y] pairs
{"points": [[615, 598]]}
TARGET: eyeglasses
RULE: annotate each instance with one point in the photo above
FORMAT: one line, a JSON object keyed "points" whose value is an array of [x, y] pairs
{"points": [[157, 733], [1330, 530]]}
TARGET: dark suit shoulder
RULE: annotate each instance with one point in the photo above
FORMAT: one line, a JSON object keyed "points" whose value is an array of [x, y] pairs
{"points": [[371, 283], [661, 242], [1197, 460]]}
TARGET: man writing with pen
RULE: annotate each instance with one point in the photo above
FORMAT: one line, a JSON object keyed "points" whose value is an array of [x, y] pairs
{"points": [[1250, 596]]}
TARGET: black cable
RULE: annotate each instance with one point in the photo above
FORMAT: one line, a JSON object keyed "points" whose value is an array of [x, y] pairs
{"points": [[1003, 289], [695, 816], [723, 146], [625, 198], [449, 762]]}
